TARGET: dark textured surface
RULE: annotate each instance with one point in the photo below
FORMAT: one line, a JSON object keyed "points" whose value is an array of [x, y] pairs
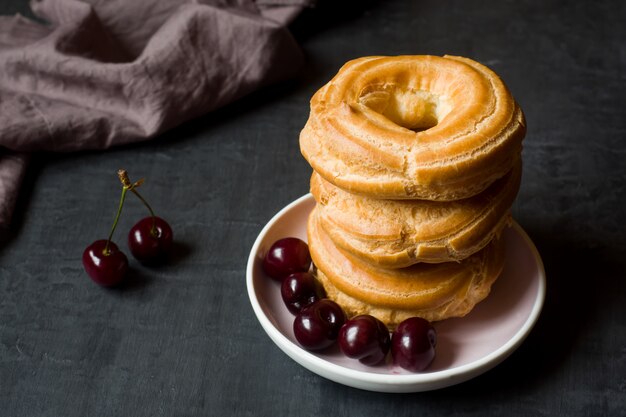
{"points": [[182, 340]]}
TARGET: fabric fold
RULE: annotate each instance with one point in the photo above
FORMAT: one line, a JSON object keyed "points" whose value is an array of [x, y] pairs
{"points": [[105, 73]]}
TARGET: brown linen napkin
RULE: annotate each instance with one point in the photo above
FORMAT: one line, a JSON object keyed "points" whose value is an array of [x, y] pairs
{"points": [[109, 72]]}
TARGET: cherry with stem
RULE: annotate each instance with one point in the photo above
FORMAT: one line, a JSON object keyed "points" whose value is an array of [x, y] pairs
{"points": [[103, 261], [150, 239]]}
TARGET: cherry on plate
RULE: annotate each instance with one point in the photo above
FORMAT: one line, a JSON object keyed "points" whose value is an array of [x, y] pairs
{"points": [[365, 338], [300, 290], [285, 257], [316, 327], [105, 266], [413, 344]]}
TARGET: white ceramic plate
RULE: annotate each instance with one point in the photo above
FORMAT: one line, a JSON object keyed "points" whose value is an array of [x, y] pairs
{"points": [[466, 347]]}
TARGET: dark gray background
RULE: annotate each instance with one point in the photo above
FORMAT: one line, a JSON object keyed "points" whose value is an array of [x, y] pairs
{"points": [[182, 340]]}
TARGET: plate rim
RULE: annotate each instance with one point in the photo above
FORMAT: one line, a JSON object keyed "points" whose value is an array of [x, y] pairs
{"points": [[397, 382]]}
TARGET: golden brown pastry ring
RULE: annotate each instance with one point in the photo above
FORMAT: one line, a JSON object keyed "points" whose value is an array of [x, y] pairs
{"points": [[432, 291], [427, 127], [400, 233]]}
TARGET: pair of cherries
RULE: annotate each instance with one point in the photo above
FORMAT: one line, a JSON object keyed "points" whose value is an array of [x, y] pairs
{"points": [[367, 339], [320, 322], [149, 241]]}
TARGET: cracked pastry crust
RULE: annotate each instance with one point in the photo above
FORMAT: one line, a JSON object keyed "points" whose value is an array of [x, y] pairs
{"points": [[432, 291], [400, 233], [413, 127]]}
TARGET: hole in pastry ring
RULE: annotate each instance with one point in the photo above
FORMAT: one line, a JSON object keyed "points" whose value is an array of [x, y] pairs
{"points": [[425, 127]]}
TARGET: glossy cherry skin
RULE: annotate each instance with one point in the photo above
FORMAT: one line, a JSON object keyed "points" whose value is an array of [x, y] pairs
{"points": [[365, 338], [413, 344], [285, 257], [105, 269], [300, 290], [150, 240], [316, 327]]}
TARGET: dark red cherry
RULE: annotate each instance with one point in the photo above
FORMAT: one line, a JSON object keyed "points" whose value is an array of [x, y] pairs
{"points": [[300, 290], [286, 256], [365, 338], [316, 327], [150, 240], [413, 344], [106, 268]]}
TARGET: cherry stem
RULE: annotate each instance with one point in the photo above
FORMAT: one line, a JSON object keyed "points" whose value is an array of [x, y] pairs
{"points": [[106, 251], [145, 203], [123, 176]]}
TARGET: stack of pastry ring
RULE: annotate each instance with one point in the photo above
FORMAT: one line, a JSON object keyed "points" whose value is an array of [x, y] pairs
{"points": [[417, 161]]}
